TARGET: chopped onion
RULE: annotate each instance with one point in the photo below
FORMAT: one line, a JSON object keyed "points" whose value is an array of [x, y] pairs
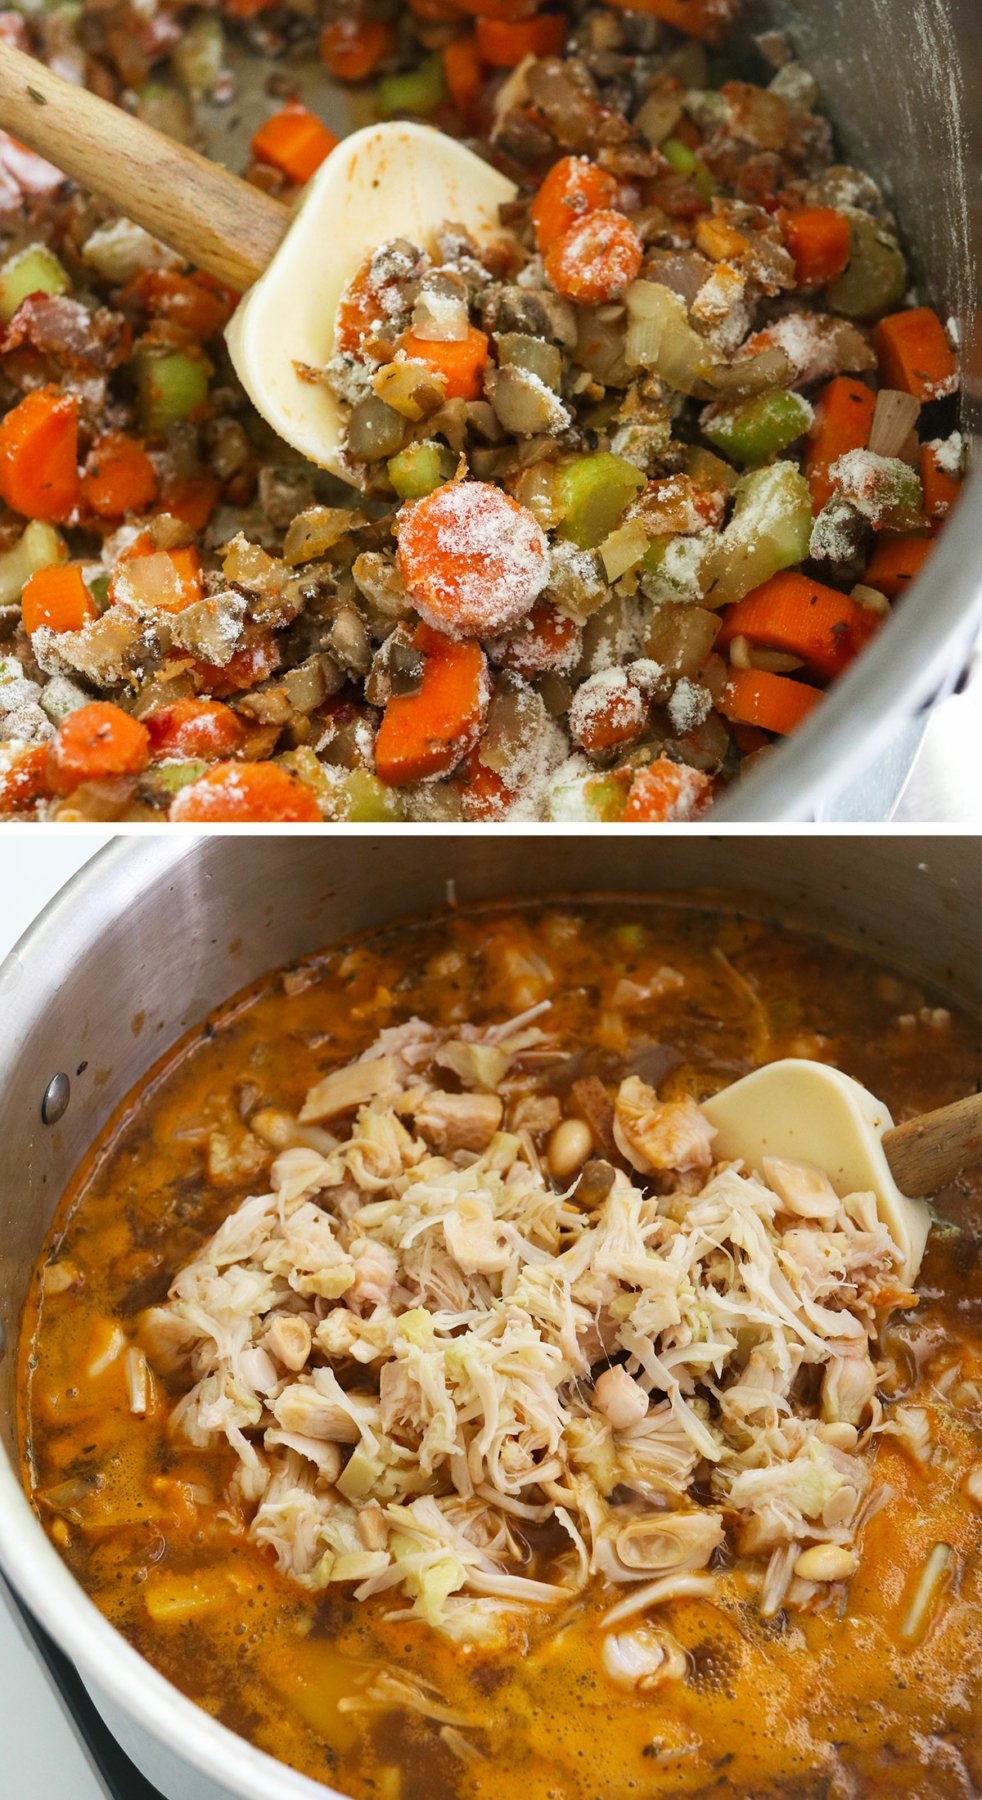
{"points": [[660, 337], [623, 549], [894, 418], [749, 375]]}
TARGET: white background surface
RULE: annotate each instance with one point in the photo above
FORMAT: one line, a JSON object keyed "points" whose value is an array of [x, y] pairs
{"points": [[40, 1757]]}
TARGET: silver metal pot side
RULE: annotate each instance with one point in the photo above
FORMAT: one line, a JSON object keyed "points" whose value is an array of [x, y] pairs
{"points": [[167, 929]]}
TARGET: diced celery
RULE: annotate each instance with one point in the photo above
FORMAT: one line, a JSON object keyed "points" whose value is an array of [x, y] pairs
{"points": [[769, 531], [418, 90], [169, 387], [59, 697], [98, 586], [685, 162], [654, 556], [577, 795], [420, 468], [168, 778], [363, 799], [875, 276], [198, 55], [38, 547], [35, 270], [594, 490], [761, 428]]}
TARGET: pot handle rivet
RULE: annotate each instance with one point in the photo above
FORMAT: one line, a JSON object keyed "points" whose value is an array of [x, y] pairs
{"points": [[54, 1103]]}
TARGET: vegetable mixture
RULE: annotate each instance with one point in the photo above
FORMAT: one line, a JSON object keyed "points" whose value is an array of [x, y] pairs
{"points": [[407, 1383], [638, 477]]}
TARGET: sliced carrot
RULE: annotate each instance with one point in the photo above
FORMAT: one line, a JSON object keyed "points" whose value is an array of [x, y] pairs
{"points": [[168, 580], [119, 477], [843, 419], [463, 71], [428, 732], [250, 793], [544, 640], [596, 259], [940, 487], [244, 669], [294, 141], [789, 612], [706, 19], [195, 728], [94, 742], [57, 597], [25, 781], [895, 562], [192, 498], [573, 188], [352, 49], [914, 355], [504, 43], [194, 301], [472, 559], [820, 241], [756, 697], [460, 360], [360, 313], [497, 9], [39, 475], [666, 790], [617, 714], [484, 794]]}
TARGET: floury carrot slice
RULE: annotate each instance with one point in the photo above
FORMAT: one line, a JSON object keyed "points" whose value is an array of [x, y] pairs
{"points": [[57, 597], [914, 354], [756, 697], [248, 793], [426, 733], [39, 455], [460, 361], [666, 790], [843, 417], [805, 618], [95, 742], [573, 188], [474, 562], [596, 259]]}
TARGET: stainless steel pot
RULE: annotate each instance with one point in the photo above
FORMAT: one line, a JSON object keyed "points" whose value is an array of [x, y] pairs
{"points": [[169, 928], [902, 80]]}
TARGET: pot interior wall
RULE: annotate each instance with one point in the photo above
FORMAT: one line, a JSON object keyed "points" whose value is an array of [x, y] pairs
{"points": [[156, 934]]}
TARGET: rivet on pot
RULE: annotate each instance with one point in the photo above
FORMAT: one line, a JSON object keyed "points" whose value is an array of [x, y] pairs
{"points": [[57, 1094]]}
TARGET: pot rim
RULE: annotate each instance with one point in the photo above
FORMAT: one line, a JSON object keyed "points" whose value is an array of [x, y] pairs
{"points": [[29, 1561]]}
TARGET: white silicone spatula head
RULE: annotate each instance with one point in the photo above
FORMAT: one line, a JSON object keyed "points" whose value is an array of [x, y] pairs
{"points": [[387, 181], [811, 1113]]}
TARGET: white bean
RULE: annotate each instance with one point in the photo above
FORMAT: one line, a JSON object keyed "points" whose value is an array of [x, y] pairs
{"points": [[569, 1146], [826, 1562]]}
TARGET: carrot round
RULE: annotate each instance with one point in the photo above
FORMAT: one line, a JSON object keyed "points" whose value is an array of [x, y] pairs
{"points": [[202, 729], [295, 141], [573, 188], [504, 43], [484, 794], [192, 498], [914, 355], [843, 420], [95, 742], [895, 562], [459, 360], [247, 793], [596, 259], [426, 733], [544, 640], [462, 71], [706, 19], [57, 597], [25, 780], [39, 455], [192, 301], [820, 241], [666, 790], [756, 697], [939, 486], [352, 49], [119, 477], [472, 559], [244, 669], [789, 612]]}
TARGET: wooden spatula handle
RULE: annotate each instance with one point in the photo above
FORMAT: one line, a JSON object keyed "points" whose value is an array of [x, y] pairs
{"points": [[933, 1149], [218, 222]]}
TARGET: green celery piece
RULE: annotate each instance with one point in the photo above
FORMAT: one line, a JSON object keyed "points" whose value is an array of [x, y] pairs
{"points": [[685, 162], [903, 498], [418, 90], [654, 556], [594, 491], [605, 798], [420, 468], [875, 277], [761, 428], [769, 531], [98, 587], [171, 777], [32, 271], [366, 800], [170, 387]]}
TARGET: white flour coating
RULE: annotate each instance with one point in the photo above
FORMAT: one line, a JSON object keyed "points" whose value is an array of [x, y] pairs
{"points": [[949, 453], [611, 692], [689, 706], [479, 559]]}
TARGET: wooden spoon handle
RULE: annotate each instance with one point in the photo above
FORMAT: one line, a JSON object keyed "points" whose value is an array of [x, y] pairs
{"points": [[927, 1152], [218, 222]]}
